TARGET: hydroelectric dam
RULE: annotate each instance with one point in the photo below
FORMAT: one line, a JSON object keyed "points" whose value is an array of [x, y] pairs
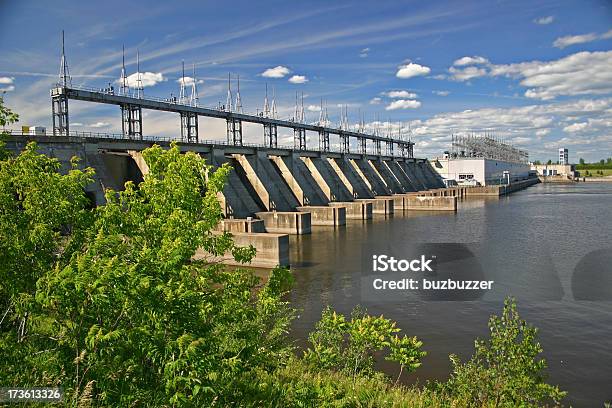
{"points": [[273, 190]]}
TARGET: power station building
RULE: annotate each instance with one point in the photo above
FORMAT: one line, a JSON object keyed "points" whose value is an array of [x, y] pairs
{"points": [[482, 160]]}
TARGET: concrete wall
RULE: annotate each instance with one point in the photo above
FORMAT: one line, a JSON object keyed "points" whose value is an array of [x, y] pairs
{"points": [[370, 176], [387, 176], [327, 179]]}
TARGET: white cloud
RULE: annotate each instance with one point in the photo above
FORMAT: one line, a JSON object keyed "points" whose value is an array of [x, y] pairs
{"points": [[189, 81], [411, 70], [467, 73], [148, 79], [544, 20], [401, 94], [298, 79], [364, 52], [276, 72], [375, 101], [9, 81], [568, 40], [606, 35], [577, 74], [313, 108], [403, 104], [441, 93], [100, 125], [76, 124], [475, 60], [576, 127]]}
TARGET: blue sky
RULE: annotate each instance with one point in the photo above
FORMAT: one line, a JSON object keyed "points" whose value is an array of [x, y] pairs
{"points": [[538, 73]]}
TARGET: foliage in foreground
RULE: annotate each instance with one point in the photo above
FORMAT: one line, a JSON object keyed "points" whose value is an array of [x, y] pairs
{"points": [[108, 303]]}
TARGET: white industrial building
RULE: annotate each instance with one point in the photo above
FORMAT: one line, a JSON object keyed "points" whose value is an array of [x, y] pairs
{"points": [[483, 160], [480, 170]]}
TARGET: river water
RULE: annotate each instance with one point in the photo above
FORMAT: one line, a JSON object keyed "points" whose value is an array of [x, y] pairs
{"points": [[550, 246]]}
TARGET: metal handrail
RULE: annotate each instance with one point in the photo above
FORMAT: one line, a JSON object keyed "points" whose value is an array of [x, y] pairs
{"points": [[121, 136]]}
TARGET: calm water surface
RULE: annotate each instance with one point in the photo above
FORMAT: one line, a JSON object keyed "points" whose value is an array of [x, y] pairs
{"points": [[550, 246]]}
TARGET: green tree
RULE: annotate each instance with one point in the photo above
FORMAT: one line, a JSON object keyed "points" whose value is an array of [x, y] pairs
{"points": [[549, 162], [506, 369], [349, 345], [602, 162], [110, 303], [581, 161]]}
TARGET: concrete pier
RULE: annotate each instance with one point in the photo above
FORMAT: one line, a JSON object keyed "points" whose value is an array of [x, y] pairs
{"points": [[241, 225], [409, 168], [327, 179], [372, 179], [355, 210], [354, 182], [235, 199], [424, 203], [387, 176], [380, 205], [404, 180], [300, 181], [500, 190], [323, 215], [267, 183], [286, 222], [272, 250]]}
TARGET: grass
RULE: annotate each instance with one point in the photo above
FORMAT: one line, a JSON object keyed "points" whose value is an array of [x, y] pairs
{"points": [[593, 173]]}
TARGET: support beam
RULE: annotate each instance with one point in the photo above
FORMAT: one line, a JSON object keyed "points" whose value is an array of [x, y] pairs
{"points": [[59, 107], [377, 149], [363, 146], [189, 127], [299, 138], [389, 144], [344, 143], [131, 121], [270, 135], [323, 140], [234, 131]]}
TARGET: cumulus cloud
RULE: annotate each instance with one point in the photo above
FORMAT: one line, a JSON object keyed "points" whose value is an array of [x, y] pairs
{"points": [[364, 52], [100, 125], [7, 84], [568, 40], [411, 70], [467, 73], [276, 72], [401, 94], [148, 79], [189, 81], [441, 93], [298, 79], [313, 108], [375, 101], [544, 20], [576, 127], [403, 104], [475, 60], [532, 126], [577, 74]]}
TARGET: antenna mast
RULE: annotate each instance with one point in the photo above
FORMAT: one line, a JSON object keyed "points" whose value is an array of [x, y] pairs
{"points": [[139, 86], [182, 89], [228, 104], [125, 88], [194, 99], [273, 108], [266, 107], [64, 74], [238, 100]]}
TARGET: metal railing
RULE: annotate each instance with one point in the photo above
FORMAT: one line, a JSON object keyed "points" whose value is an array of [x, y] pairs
{"points": [[211, 142]]}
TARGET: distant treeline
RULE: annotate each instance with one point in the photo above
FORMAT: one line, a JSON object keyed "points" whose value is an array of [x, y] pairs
{"points": [[601, 165]]}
